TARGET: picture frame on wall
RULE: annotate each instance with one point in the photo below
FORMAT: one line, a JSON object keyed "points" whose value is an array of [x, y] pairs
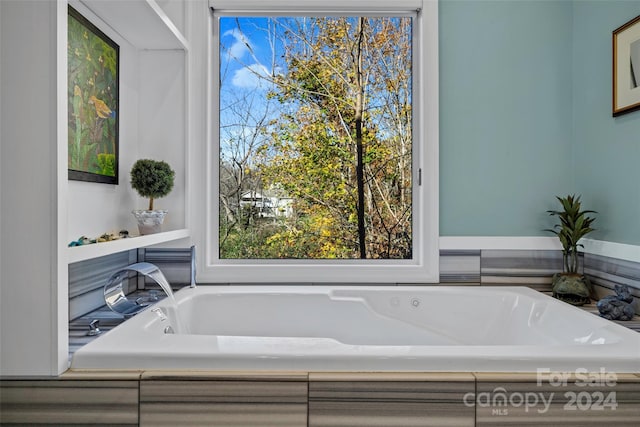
{"points": [[626, 67], [93, 102]]}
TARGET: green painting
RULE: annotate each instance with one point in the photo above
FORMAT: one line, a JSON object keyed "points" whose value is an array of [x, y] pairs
{"points": [[93, 60]]}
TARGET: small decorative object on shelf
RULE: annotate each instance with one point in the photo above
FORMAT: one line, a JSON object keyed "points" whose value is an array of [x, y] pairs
{"points": [[82, 240], [570, 286], [618, 306], [105, 237], [152, 179]]}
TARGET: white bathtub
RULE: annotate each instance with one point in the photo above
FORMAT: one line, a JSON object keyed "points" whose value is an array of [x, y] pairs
{"points": [[364, 328]]}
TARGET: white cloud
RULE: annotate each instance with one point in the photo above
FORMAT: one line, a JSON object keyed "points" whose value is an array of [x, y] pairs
{"points": [[251, 77], [240, 47]]}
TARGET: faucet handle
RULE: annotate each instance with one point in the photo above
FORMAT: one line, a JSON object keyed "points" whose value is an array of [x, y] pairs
{"points": [[93, 328]]}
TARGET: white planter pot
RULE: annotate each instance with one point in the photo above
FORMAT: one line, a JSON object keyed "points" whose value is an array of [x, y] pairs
{"points": [[149, 222]]}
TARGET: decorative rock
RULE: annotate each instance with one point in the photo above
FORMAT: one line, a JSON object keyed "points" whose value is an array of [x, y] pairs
{"points": [[574, 289], [617, 307]]}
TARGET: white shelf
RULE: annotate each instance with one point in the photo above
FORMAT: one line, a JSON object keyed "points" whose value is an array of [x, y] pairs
{"points": [[141, 22], [95, 250]]}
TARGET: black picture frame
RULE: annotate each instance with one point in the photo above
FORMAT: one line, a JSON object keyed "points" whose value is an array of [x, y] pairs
{"points": [[93, 102]]}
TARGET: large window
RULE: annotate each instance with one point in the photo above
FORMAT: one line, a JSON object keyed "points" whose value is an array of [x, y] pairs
{"points": [[321, 124], [315, 137]]}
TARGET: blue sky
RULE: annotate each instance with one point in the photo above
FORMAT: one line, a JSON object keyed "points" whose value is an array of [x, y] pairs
{"points": [[251, 47], [245, 51]]}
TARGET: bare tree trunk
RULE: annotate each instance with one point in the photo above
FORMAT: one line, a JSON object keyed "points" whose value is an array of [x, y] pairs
{"points": [[359, 107]]}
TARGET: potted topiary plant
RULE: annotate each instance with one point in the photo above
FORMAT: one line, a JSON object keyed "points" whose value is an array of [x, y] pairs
{"points": [[152, 179], [571, 286]]}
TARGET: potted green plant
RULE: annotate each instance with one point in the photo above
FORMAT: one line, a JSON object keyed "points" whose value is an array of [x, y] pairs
{"points": [[571, 286], [152, 179]]}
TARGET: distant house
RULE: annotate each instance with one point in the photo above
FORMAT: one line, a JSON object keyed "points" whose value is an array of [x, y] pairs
{"points": [[267, 206]]}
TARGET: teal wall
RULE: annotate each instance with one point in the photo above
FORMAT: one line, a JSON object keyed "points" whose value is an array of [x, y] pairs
{"points": [[606, 150], [505, 115], [525, 114]]}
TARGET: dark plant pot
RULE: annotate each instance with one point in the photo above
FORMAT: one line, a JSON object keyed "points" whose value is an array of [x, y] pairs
{"points": [[574, 289], [149, 222]]}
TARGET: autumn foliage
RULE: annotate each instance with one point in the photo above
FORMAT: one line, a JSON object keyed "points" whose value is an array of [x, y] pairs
{"points": [[334, 135]]}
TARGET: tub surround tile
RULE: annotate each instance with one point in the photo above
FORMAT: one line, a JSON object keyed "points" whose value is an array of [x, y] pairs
{"points": [[223, 403], [88, 275], [505, 376], [460, 267], [175, 264], [87, 280], [327, 399], [557, 415], [533, 268], [392, 376], [389, 400], [629, 377], [229, 391], [225, 376], [222, 415], [607, 287], [360, 413], [63, 402], [532, 377], [504, 402], [75, 374], [608, 272]]}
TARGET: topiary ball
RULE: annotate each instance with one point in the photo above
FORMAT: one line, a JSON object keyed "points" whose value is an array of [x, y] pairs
{"points": [[152, 178]]}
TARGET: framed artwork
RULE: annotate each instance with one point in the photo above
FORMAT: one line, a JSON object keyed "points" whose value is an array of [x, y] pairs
{"points": [[93, 101], [626, 67]]}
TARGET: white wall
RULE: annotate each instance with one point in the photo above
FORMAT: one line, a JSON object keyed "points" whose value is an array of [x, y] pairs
{"points": [[162, 123], [98, 208], [33, 291], [175, 11]]}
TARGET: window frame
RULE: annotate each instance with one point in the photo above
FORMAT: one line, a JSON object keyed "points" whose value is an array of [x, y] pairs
{"points": [[423, 267]]}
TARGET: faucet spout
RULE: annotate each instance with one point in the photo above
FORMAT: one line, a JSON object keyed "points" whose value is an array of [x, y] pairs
{"points": [[114, 294]]}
